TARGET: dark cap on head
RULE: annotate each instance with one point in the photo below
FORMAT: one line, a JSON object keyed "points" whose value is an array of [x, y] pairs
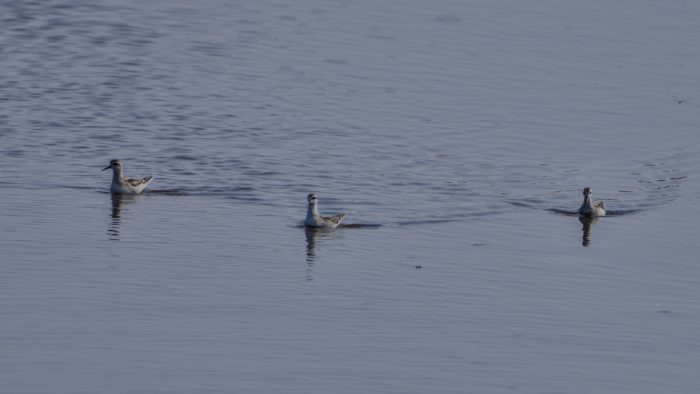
{"points": [[112, 164]]}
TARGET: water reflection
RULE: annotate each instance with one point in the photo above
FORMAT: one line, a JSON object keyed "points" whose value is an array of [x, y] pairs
{"points": [[118, 202], [312, 235], [587, 221]]}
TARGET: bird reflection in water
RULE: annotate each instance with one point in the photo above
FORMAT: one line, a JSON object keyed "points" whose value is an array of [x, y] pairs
{"points": [[587, 221], [312, 235], [118, 202]]}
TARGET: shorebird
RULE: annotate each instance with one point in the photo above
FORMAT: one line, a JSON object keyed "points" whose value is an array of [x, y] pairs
{"points": [[125, 185], [589, 208], [314, 219]]}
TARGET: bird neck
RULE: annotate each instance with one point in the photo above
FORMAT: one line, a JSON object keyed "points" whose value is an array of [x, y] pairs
{"points": [[312, 210], [117, 174]]}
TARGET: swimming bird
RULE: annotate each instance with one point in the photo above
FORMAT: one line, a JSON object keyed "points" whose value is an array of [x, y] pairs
{"points": [[125, 185], [589, 208], [314, 219]]}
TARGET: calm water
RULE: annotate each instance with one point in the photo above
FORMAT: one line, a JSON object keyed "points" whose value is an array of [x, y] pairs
{"points": [[453, 133]]}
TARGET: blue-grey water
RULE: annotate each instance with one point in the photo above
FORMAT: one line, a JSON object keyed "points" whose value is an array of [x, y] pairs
{"points": [[455, 134]]}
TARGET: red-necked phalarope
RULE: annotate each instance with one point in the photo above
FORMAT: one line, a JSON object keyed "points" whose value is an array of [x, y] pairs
{"points": [[125, 185], [589, 208], [314, 219]]}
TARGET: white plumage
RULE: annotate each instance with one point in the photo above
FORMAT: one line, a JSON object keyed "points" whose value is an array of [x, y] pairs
{"points": [[125, 185], [314, 219], [589, 208]]}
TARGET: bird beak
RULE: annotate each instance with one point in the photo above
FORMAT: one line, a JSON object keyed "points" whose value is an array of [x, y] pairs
{"points": [[108, 167]]}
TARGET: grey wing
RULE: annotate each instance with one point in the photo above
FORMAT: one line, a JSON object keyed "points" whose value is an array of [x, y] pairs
{"points": [[336, 219], [137, 182]]}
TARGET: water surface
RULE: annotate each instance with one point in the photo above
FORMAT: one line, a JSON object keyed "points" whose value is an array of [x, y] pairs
{"points": [[453, 134]]}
